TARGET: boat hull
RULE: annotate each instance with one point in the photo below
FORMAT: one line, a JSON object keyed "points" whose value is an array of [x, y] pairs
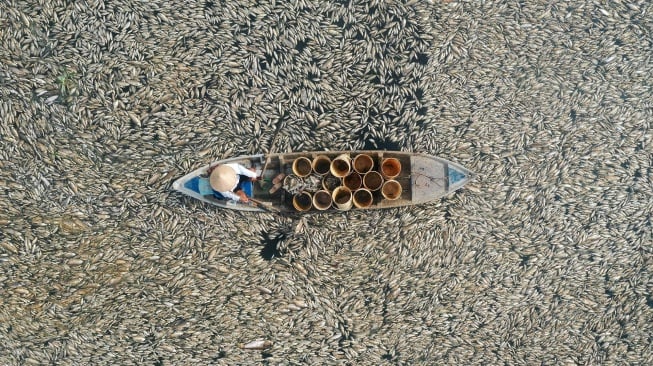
{"points": [[418, 178]]}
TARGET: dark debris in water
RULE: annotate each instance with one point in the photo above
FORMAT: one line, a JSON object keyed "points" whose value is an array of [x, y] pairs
{"points": [[220, 355], [271, 245]]}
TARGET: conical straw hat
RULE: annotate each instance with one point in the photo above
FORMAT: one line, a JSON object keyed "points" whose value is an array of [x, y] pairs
{"points": [[223, 178]]}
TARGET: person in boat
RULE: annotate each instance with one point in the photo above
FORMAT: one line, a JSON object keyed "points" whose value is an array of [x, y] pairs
{"points": [[232, 181]]}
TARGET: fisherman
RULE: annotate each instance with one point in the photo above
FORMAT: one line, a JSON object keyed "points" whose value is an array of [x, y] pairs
{"points": [[232, 181]]}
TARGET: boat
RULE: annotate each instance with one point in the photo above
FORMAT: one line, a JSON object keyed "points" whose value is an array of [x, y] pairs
{"points": [[332, 181]]}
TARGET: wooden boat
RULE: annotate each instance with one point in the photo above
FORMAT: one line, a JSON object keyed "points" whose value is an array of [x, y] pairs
{"points": [[422, 178]]}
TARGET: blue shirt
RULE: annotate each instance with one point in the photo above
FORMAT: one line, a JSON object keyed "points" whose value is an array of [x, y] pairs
{"points": [[240, 170]]}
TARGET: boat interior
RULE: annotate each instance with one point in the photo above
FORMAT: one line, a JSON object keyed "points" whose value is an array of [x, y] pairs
{"points": [[284, 164], [395, 186]]}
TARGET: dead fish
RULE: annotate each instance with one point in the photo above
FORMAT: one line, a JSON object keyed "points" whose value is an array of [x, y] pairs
{"points": [[257, 345]]}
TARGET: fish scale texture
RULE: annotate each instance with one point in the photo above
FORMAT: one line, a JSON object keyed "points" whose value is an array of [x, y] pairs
{"points": [[545, 258]]}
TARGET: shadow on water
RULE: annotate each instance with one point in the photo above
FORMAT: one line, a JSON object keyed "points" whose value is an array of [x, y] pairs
{"points": [[271, 245], [386, 144]]}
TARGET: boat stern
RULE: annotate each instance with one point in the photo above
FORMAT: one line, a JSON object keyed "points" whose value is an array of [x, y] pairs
{"points": [[176, 185], [433, 177], [458, 176]]}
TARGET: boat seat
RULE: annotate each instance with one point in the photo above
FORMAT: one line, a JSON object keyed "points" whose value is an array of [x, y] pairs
{"points": [[202, 186]]}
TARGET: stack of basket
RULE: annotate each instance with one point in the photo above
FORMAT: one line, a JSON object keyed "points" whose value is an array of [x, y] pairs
{"points": [[346, 182]]}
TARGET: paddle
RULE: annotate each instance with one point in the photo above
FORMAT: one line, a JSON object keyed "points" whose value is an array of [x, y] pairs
{"points": [[272, 209], [272, 146], [261, 204], [264, 205]]}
